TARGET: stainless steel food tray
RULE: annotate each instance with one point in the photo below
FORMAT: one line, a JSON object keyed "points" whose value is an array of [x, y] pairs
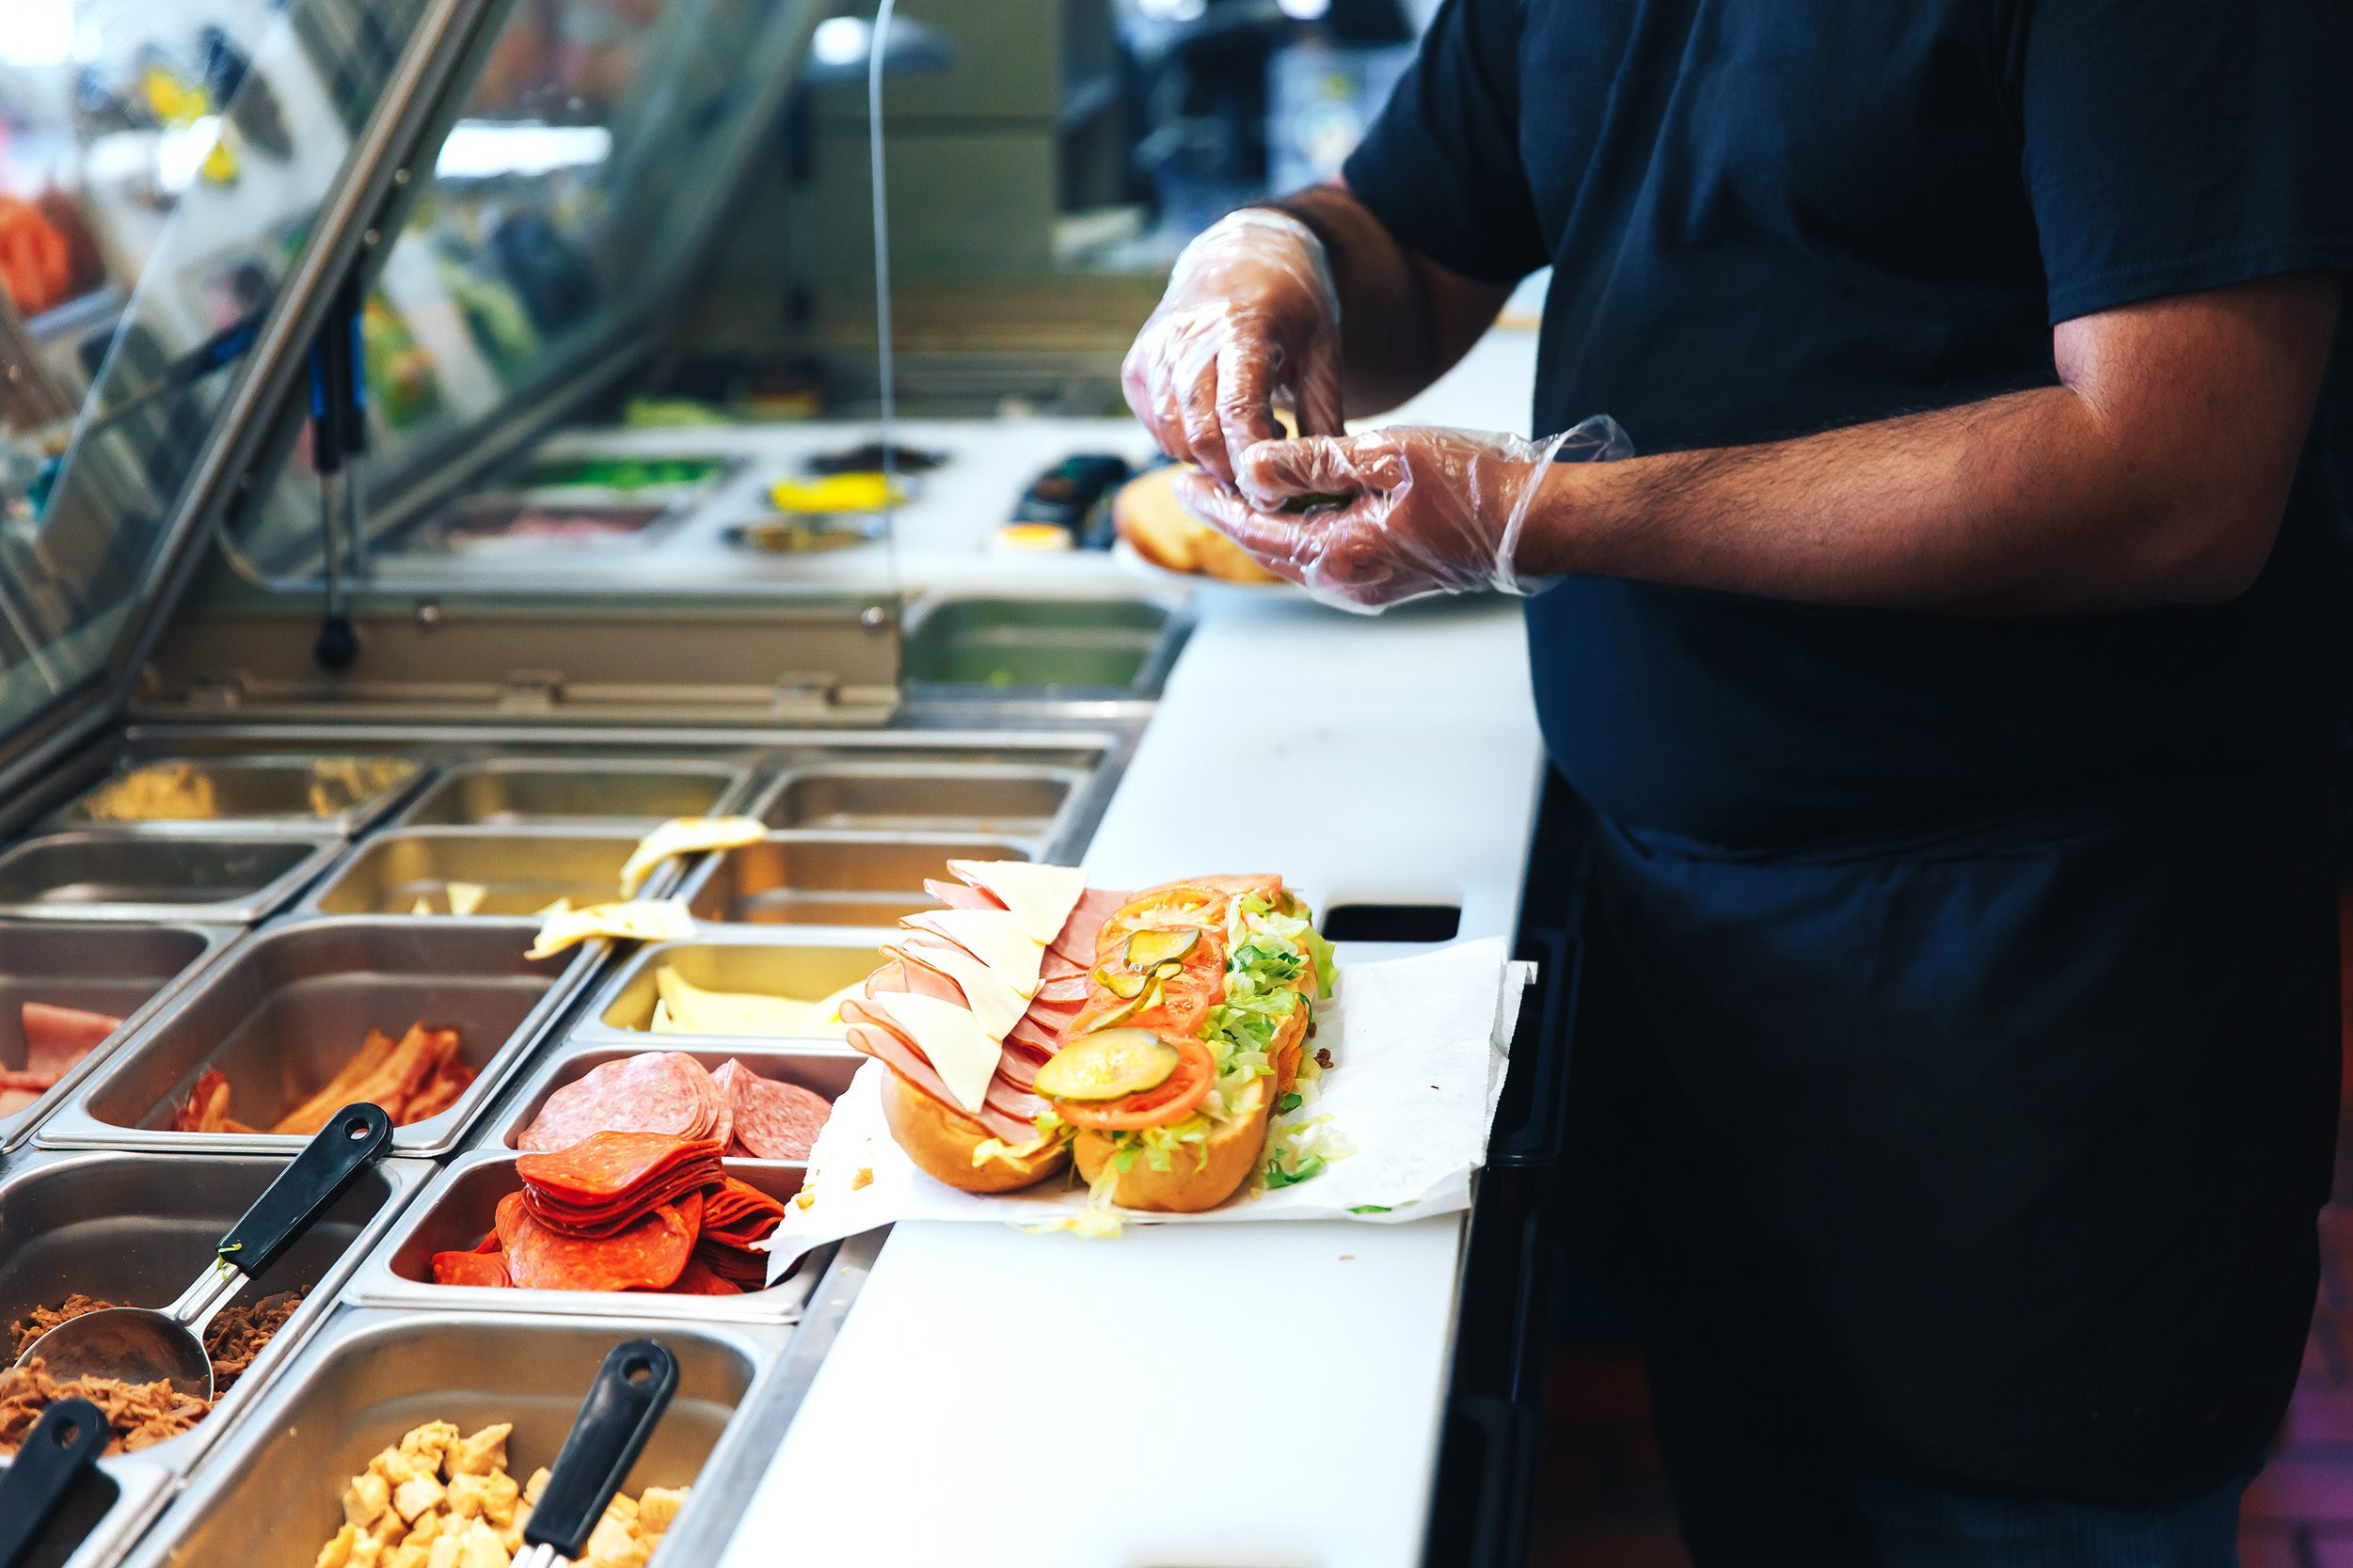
{"points": [[455, 1213], [804, 963], [287, 1010], [990, 799], [577, 792], [521, 870], [104, 1515], [137, 1227], [810, 878], [128, 972], [271, 1496], [260, 792], [217, 879]]}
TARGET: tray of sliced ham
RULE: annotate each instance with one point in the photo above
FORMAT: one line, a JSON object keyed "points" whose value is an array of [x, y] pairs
{"points": [[70, 994]]}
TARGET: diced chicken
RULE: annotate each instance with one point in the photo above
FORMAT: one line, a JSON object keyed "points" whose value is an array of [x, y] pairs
{"points": [[418, 1496], [367, 1552], [337, 1553], [536, 1487], [479, 1454], [408, 1555], [613, 1544], [366, 1499], [657, 1507]]}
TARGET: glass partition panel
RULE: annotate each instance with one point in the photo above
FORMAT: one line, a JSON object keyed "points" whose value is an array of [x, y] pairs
{"points": [[578, 170], [177, 157]]}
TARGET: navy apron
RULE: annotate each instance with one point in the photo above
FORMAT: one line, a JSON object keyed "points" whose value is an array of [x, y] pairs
{"points": [[1995, 1157]]}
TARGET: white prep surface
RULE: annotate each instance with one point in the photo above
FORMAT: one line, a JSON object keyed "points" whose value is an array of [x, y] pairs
{"points": [[942, 1428]]}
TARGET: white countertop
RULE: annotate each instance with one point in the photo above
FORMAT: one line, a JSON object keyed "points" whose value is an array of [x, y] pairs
{"points": [[949, 1423]]}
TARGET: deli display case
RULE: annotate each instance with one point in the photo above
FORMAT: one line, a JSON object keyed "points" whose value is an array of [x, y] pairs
{"points": [[356, 618]]}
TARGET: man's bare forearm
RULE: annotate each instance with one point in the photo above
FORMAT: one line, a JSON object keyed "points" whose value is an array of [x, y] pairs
{"points": [[1404, 320], [2151, 478]]}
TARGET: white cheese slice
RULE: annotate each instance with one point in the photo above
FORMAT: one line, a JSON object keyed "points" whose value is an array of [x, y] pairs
{"points": [[959, 1050], [1040, 896], [997, 1004], [694, 1010], [995, 937]]}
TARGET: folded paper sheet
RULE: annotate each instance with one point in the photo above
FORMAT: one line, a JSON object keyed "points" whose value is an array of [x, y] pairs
{"points": [[1419, 1048]]}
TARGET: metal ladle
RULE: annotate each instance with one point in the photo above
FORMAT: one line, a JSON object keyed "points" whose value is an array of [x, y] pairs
{"points": [[139, 1344]]}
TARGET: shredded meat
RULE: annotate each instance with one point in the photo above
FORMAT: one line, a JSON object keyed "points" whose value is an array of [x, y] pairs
{"points": [[142, 1413]]}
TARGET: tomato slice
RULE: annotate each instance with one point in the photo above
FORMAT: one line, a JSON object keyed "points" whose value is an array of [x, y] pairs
{"points": [[1178, 1096]]}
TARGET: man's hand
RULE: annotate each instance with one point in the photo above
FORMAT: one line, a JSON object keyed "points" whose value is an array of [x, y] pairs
{"points": [[1366, 522], [2155, 472], [1252, 315]]}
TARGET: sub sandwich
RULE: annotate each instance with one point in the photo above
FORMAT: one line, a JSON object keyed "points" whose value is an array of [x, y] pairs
{"points": [[1151, 1036]]}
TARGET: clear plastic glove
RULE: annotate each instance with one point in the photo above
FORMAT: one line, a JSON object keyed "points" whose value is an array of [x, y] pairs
{"points": [[1250, 317], [1367, 522]]}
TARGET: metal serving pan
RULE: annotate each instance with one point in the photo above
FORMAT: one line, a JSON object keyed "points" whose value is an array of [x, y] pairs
{"points": [[520, 870], [506, 792], [804, 963], [284, 1014], [994, 799], [995, 648], [136, 1228], [455, 1214], [220, 879], [127, 972], [310, 793], [832, 879], [273, 1496], [103, 1517]]}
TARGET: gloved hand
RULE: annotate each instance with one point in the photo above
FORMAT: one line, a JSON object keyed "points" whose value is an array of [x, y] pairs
{"points": [[1250, 316], [1367, 522]]}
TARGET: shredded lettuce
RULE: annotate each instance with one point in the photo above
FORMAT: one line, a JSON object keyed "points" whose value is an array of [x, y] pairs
{"points": [[1300, 1151], [1266, 952]]}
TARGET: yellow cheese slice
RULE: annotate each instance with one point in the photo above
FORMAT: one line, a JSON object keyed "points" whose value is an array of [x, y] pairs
{"points": [[996, 936], [959, 1050], [423, 905], [1040, 896], [696, 1012], [997, 1004], [466, 897], [641, 920], [686, 835], [825, 1012]]}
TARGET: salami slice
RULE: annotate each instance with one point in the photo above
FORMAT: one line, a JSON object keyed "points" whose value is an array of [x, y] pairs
{"points": [[657, 1091], [648, 1255], [56, 1039], [774, 1121]]}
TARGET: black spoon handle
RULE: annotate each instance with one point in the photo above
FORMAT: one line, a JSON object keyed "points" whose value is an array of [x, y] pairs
{"points": [[632, 1390], [61, 1447], [353, 1139]]}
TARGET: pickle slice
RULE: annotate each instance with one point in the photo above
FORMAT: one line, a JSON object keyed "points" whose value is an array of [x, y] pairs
{"points": [[1125, 1010], [1107, 1065], [1122, 984], [1148, 949]]}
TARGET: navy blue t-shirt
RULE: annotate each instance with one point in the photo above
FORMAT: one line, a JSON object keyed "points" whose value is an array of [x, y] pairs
{"points": [[1769, 218]]}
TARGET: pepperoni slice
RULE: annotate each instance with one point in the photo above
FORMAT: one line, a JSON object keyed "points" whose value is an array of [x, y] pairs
{"points": [[650, 1255]]}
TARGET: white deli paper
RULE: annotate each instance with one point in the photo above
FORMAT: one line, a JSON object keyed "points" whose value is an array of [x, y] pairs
{"points": [[1418, 1047]]}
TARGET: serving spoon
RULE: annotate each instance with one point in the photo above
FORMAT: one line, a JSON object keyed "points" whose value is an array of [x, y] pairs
{"points": [[632, 1390], [139, 1344]]}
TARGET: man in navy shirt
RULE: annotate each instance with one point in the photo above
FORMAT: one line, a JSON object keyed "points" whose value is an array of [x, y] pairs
{"points": [[1953, 678]]}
